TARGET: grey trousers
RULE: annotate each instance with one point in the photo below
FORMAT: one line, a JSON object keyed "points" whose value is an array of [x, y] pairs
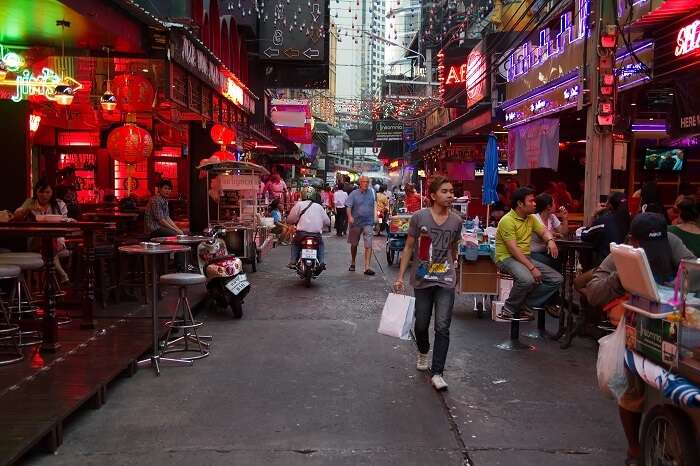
{"points": [[525, 290]]}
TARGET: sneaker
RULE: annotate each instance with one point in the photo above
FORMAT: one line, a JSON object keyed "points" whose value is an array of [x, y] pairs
{"points": [[527, 313], [438, 382], [422, 362], [505, 314]]}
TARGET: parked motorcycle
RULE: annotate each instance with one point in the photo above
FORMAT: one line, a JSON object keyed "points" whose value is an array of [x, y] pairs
{"points": [[227, 285], [308, 266]]}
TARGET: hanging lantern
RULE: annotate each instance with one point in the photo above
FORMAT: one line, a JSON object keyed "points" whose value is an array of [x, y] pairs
{"points": [[222, 135], [129, 144], [63, 94], [134, 93], [108, 101]]}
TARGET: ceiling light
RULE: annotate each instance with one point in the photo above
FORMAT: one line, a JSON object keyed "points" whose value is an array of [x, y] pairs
{"points": [[63, 94]]}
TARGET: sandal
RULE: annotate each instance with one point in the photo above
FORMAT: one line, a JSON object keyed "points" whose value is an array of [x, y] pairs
{"points": [[352, 268]]}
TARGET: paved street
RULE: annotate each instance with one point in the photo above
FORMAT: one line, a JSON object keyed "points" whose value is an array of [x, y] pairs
{"points": [[304, 378]]}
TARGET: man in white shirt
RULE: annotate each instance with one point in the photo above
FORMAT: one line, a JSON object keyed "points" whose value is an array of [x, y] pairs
{"points": [[310, 217], [341, 214]]}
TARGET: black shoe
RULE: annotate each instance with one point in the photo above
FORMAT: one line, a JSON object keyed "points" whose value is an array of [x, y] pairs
{"points": [[505, 314], [370, 272], [351, 268]]}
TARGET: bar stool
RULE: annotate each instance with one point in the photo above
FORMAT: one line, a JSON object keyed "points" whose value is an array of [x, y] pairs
{"points": [[540, 333], [21, 302], [183, 319], [10, 351], [514, 343]]}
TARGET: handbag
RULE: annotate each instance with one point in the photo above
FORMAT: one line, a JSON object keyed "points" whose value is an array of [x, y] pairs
{"points": [[398, 316]]}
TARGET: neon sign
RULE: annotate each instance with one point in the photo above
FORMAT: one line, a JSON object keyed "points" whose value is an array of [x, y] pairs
{"points": [[233, 91], [688, 38], [527, 57], [571, 92], [457, 74], [34, 121], [27, 84], [476, 76]]}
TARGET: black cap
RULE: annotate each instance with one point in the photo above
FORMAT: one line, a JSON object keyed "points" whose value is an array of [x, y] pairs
{"points": [[649, 229]]}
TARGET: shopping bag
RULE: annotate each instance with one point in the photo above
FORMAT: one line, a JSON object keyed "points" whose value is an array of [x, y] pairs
{"points": [[397, 316], [612, 379]]}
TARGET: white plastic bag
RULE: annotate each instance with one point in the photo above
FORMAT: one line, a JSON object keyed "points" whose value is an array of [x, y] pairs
{"points": [[612, 379], [397, 316]]}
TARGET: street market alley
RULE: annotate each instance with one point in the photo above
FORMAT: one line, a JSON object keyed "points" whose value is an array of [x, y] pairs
{"points": [[304, 378]]}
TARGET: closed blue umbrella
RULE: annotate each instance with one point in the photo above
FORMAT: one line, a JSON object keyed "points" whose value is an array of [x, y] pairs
{"points": [[489, 194]]}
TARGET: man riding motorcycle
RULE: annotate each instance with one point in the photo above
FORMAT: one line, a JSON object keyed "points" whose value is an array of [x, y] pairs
{"points": [[310, 217]]}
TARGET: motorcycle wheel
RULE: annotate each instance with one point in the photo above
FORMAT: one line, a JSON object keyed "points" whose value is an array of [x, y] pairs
{"points": [[307, 277], [389, 256], [236, 304]]}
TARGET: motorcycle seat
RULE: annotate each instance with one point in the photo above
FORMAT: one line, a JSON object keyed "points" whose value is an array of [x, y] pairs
{"points": [[222, 258]]}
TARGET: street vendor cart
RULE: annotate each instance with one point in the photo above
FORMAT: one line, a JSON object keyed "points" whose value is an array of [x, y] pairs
{"points": [[396, 236], [662, 339], [477, 272], [233, 204]]}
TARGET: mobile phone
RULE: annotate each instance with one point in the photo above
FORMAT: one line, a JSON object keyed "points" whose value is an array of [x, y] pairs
{"points": [[603, 198]]}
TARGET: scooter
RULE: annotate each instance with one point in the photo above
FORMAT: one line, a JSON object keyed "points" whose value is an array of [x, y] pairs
{"points": [[308, 267], [227, 285]]}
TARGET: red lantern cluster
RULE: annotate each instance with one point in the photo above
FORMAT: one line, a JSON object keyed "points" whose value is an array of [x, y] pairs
{"points": [[134, 93], [222, 135], [129, 144]]}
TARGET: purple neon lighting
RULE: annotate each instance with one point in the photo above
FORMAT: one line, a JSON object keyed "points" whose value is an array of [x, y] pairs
{"points": [[542, 90], [631, 83], [540, 115], [642, 46]]}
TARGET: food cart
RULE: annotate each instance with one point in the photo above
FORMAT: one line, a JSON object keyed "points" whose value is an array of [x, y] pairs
{"points": [[477, 273], [396, 236], [662, 339], [232, 203]]}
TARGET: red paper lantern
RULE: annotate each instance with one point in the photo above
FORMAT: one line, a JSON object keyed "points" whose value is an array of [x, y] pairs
{"points": [[224, 155], [134, 93], [222, 135], [129, 144]]}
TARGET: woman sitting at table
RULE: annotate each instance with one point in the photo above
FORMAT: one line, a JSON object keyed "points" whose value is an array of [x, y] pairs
{"points": [[43, 202], [544, 206], [688, 229]]}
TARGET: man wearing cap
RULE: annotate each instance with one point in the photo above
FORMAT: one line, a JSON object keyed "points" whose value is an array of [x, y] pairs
{"points": [[664, 252]]}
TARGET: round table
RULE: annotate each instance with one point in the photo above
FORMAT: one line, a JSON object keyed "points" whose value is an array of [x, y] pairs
{"points": [[186, 240], [151, 252]]}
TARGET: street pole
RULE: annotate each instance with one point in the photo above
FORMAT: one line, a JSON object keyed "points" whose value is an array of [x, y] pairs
{"points": [[429, 72], [599, 148]]}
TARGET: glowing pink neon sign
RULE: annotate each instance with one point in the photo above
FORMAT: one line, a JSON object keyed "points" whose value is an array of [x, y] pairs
{"points": [[688, 38]]}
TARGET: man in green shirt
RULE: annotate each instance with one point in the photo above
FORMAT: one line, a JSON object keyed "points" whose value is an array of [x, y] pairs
{"points": [[533, 282]]}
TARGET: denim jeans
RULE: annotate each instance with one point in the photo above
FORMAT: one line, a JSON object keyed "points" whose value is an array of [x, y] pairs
{"points": [[442, 300], [525, 290], [296, 251]]}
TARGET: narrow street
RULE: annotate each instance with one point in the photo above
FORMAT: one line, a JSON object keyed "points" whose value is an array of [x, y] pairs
{"points": [[304, 378]]}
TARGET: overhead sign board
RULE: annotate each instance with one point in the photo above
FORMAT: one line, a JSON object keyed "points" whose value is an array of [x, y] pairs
{"points": [[294, 30], [388, 130], [633, 67], [550, 52]]}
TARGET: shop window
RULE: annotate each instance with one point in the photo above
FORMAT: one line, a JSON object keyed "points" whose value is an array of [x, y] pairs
{"points": [[84, 165], [139, 179], [78, 138], [168, 171]]}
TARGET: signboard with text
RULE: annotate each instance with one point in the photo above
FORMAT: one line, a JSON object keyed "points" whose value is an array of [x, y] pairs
{"points": [[388, 130], [550, 52]]}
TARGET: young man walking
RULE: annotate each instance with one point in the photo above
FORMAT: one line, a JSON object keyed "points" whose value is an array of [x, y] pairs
{"points": [[341, 215], [360, 208], [433, 235], [533, 282]]}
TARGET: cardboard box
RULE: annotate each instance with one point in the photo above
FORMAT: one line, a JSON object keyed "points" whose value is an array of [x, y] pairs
{"points": [[504, 287], [655, 339]]}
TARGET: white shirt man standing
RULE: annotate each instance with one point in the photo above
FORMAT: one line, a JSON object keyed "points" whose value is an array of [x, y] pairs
{"points": [[341, 215]]}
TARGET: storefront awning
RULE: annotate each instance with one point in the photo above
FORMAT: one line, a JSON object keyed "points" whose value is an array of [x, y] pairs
{"points": [[477, 117]]}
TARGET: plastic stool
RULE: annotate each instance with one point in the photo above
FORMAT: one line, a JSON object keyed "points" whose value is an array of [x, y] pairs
{"points": [[182, 319]]}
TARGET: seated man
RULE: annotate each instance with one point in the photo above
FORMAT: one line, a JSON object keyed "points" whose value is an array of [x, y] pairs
{"points": [[533, 282], [664, 252], [157, 221], [310, 217]]}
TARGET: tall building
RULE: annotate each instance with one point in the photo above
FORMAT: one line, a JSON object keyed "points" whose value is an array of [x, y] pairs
{"points": [[373, 47]]}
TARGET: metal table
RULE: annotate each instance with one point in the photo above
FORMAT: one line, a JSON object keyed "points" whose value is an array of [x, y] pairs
{"points": [[150, 252], [183, 240], [47, 233]]}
